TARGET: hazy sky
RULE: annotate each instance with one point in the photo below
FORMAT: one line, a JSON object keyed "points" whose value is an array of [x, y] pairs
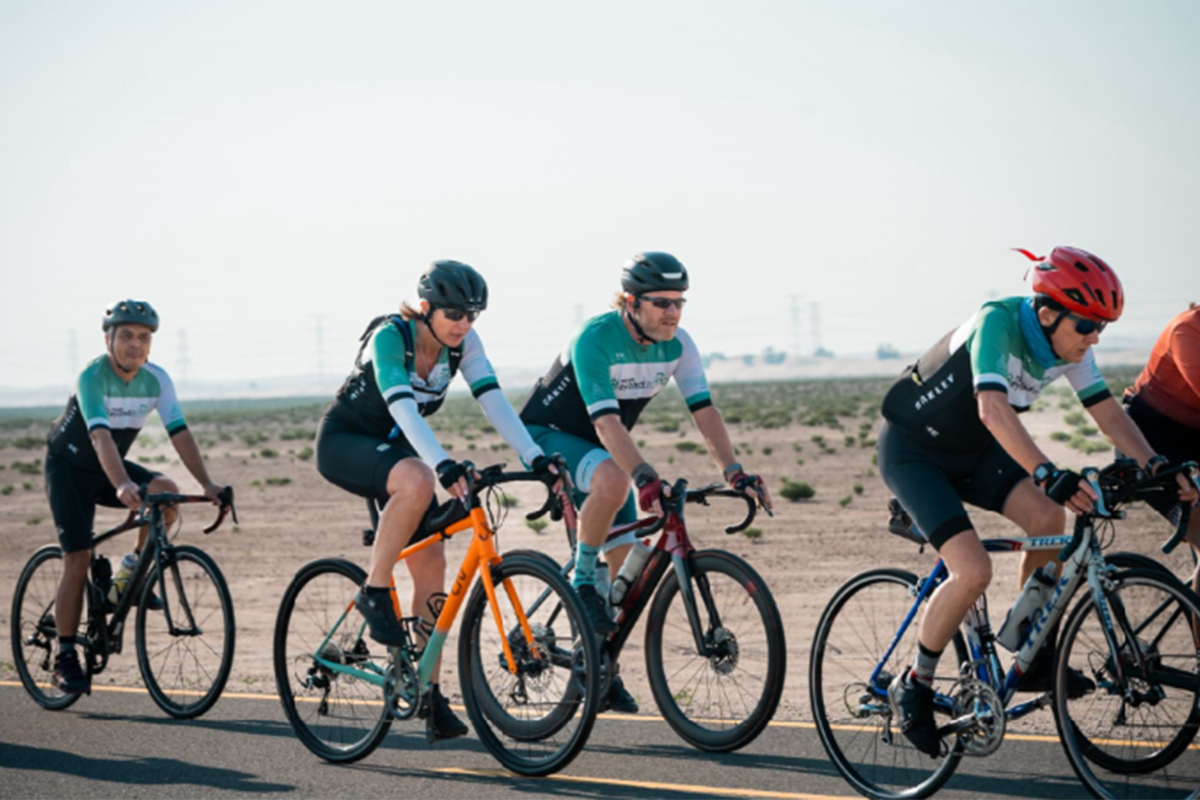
{"points": [[271, 175]]}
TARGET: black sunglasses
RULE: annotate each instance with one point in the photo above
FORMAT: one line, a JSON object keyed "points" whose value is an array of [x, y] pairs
{"points": [[458, 314], [664, 303], [1086, 327]]}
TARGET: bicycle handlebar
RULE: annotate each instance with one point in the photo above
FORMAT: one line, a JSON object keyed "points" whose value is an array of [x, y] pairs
{"points": [[453, 510], [224, 501], [1123, 481]]}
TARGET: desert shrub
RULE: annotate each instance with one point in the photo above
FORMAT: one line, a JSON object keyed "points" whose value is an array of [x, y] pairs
{"points": [[845, 501], [1074, 418], [687, 447], [305, 454], [7, 489], [797, 490], [753, 534], [28, 442], [1060, 436], [298, 434], [766, 451], [278, 481], [858, 488], [537, 525], [267, 452]]}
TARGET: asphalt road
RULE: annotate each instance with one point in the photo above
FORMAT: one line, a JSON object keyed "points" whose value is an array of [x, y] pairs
{"points": [[117, 743]]}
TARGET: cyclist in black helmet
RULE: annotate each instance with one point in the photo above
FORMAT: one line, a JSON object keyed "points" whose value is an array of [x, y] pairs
{"points": [[375, 443], [86, 466], [585, 406]]}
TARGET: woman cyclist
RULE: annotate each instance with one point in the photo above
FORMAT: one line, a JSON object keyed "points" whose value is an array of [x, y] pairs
{"points": [[374, 442], [1165, 404]]}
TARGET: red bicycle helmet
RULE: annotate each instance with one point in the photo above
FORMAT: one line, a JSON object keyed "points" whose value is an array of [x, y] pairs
{"points": [[1080, 282]]}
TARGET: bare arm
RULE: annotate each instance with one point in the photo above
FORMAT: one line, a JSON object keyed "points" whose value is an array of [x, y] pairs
{"points": [[189, 453], [619, 444], [716, 436], [1003, 423], [114, 467]]}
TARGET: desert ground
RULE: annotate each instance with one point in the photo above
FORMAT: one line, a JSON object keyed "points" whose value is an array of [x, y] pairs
{"points": [[817, 432]]}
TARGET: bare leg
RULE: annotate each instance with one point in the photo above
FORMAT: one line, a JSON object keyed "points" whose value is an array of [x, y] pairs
{"points": [[970, 569]]}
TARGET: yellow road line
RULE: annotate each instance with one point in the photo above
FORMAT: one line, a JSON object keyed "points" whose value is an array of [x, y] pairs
{"points": [[662, 787], [1016, 737]]}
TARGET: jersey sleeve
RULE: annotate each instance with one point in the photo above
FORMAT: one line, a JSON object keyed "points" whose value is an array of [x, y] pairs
{"points": [[169, 410], [992, 341], [590, 361], [386, 350], [1086, 380], [476, 368], [1184, 348], [89, 389], [689, 375]]}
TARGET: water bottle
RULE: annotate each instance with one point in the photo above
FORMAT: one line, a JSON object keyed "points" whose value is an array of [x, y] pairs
{"points": [[631, 570], [121, 580], [102, 574], [1033, 596]]}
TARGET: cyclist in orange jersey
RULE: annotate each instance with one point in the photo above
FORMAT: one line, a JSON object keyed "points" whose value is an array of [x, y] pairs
{"points": [[1165, 404]]}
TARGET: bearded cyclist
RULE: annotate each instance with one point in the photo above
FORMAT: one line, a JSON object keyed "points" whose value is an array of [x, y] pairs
{"points": [[86, 465], [952, 434], [586, 405], [374, 442], [1165, 404]]}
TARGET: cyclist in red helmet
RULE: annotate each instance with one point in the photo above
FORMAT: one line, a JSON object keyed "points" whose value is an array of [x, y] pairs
{"points": [[952, 434]]}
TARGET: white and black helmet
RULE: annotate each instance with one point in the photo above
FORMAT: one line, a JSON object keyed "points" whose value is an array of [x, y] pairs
{"points": [[653, 272]]}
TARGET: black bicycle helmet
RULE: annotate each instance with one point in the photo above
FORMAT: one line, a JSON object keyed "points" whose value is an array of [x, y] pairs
{"points": [[652, 272], [453, 284], [130, 312]]}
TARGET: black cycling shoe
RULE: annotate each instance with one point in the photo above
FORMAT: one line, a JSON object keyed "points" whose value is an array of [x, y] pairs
{"points": [[619, 699], [1040, 677], [597, 610], [380, 615], [441, 722], [912, 705], [69, 676]]}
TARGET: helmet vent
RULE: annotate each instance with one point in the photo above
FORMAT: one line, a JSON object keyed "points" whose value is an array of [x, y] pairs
{"points": [[1076, 295], [1082, 267]]}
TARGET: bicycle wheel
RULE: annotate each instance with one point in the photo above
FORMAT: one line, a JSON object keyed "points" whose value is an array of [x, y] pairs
{"points": [[721, 699], [850, 708], [185, 651], [1126, 738], [34, 633], [536, 720], [339, 716]]}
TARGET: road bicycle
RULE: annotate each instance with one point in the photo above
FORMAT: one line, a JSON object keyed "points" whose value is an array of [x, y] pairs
{"points": [[714, 642], [183, 628], [1133, 632], [518, 667]]}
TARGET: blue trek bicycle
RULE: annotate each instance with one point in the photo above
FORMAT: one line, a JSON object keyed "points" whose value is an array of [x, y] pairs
{"points": [[1133, 630]]}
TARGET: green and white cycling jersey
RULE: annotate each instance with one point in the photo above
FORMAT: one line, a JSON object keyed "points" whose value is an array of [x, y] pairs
{"points": [[385, 397], [603, 370], [934, 399], [103, 400]]}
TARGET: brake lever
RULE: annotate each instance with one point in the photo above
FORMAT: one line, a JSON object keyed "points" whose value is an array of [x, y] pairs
{"points": [[1092, 475]]}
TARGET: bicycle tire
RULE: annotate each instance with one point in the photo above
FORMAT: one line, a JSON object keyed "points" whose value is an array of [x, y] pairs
{"points": [[32, 628], [186, 665], [718, 703], [535, 722], [1120, 748], [337, 716], [855, 630]]}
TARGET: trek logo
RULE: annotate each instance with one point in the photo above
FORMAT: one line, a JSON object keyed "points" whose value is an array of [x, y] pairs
{"points": [[1037, 621], [931, 395]]}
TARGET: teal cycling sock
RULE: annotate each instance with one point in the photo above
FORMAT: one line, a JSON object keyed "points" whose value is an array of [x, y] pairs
{"points": [[585, 565]]}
